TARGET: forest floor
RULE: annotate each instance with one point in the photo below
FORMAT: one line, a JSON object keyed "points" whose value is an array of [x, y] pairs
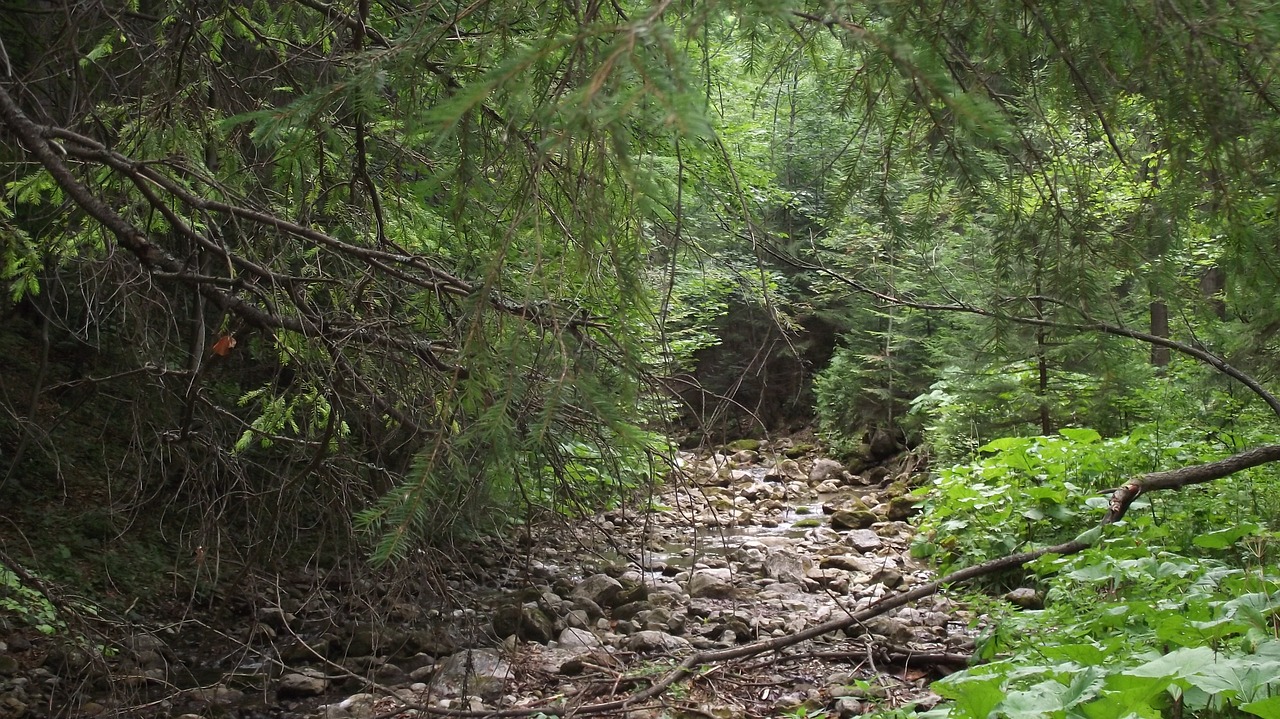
{"points": [[738, 546]]}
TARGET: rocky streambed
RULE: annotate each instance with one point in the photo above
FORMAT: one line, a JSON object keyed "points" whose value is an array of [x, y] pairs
{"points": [[741, 546]]}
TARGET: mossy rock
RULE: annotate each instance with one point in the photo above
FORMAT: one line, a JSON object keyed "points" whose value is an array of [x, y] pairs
{"points": [[897, 489], [900, 508], [738, 445], [852, 519], [808, 522], [798, 450]]}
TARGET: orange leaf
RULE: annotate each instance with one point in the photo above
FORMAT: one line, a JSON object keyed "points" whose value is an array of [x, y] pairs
{"points": [[224, 345]]}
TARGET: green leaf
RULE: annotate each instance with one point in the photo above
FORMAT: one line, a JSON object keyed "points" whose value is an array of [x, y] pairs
{"points": [[1081, 435], [1268, 708], [1223, 538], [1090, 536], [976, 697]]}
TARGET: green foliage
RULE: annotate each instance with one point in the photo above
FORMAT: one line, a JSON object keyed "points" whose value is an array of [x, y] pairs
{"points": [[1131, 631], [28, 603]]}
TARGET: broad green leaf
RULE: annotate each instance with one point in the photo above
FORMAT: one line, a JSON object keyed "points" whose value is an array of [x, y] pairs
{"points": [[1223, 538], [1081, 435], [976, 697], [1268, 708]]}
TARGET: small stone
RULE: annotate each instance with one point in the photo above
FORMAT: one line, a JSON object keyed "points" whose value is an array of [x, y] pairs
{"points": [[8, 665], [890, 578], [847, 707], [652, 640], [300, 685], [863, 540], [1025, 598], [889, 628], [573, 638], [276, 618]]}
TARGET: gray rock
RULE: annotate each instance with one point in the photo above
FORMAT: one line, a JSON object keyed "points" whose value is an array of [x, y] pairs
{"points": [[787, 566], [1026, 598], [599, 588], [655, 641], [277, 618], [572, 638], [218, 696], [825, 469], [629, 610], [301, 685], [710, 584], [863, 540], [527, 622], [592, 609], [889, 628], [790, 470], [847, 707], [8, 665], [475, 672], [829, 486], [849, 562], [356, 706], [887, 576], [659, 619]]}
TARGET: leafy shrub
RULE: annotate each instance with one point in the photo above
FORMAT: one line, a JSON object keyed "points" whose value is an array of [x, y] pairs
{"points": [[1131, 630]]}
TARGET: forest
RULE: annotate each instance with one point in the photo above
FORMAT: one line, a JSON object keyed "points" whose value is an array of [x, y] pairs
{"points": [[379, 358]]}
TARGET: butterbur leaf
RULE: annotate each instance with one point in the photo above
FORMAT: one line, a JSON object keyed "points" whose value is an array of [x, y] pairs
{"points": [[975, 697], [1268, 708], [1083, 436], [1223, 538]]}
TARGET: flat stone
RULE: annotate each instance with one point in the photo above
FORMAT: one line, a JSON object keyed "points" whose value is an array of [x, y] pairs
{"points": [[476, 672], [1025, 598], [653, 640], [849, 562], [300, 685], [573, 638], [863, 540]]}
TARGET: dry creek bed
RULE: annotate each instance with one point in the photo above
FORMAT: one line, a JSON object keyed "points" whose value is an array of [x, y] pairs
{"points": [[745, 545]]}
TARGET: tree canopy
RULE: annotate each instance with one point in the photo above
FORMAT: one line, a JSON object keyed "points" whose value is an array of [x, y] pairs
{"points": [[406, 262]]}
